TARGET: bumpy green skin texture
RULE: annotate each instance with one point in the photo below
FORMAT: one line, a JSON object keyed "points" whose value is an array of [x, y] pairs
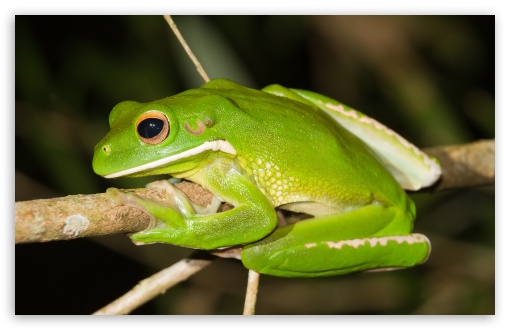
{"points": [[289, 154]]}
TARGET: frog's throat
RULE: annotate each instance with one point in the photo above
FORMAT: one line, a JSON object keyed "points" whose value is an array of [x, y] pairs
{"points": [[218, 145]]}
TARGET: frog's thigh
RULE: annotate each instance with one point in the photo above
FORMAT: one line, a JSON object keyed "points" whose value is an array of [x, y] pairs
{"points": [[337, 244]]}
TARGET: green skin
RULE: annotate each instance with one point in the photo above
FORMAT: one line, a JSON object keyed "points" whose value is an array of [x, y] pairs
{"points": [[279, 148]]}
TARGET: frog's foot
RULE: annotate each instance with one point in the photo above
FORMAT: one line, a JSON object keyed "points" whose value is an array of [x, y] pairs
{"points": [[118, 197], [169, 221], [147, 205], [176, 197]]}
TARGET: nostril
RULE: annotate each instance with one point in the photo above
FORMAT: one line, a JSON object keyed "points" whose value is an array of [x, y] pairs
{"points": [[107, 149]]}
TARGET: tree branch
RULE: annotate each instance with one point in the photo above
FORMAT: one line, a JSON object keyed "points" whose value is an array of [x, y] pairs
{"points": [[78, 216], [468, 165]]}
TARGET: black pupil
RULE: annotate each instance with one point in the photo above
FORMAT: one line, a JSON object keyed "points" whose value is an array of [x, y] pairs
{"points": [[150, 127]]}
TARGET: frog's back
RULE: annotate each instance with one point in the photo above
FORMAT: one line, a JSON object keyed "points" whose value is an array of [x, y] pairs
{"points": [[297, 154]]}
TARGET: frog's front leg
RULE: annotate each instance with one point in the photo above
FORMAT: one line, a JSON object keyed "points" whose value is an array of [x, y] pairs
{"points": [[364, 239], [252, 218]]}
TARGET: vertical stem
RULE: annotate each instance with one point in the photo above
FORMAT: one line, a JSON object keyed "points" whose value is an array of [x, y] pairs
{"points": [[251, 293], [184, 44]]}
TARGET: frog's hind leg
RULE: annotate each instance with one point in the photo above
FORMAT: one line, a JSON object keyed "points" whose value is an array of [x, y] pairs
{"points": [[331, 245]]}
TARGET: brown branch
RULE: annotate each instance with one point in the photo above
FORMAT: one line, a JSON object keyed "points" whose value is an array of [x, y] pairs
{"points": [[78, 216], [466, 165], [469, 165]]}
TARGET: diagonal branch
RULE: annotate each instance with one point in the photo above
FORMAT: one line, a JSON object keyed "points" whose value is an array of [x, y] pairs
{"points": [[154, 285], [75, 216]]}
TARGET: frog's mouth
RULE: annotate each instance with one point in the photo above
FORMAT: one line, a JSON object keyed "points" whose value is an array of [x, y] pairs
{"points": [[218, 145]]}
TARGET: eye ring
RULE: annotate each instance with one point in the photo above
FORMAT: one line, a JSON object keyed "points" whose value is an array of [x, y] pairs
{"points": [[152, 127]]}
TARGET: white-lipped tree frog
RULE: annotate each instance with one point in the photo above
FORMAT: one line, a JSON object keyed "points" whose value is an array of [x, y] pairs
{"points": [[275, 148]]}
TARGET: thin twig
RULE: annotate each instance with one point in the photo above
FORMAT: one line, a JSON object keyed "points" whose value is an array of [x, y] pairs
{"points": [[251, 293], [188, 50], [157, 284]]}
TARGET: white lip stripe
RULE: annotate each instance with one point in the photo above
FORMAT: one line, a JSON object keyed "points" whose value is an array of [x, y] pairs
{"points": [[218, 145]]}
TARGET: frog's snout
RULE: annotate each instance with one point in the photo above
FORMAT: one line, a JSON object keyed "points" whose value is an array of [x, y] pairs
{"points": [[101, 154]]}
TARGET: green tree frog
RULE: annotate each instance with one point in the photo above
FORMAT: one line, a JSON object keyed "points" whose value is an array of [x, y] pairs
{"points": [[274, 148]]}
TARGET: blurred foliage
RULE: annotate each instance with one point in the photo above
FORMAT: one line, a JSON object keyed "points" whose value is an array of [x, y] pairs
{"points": [[431, 78]]}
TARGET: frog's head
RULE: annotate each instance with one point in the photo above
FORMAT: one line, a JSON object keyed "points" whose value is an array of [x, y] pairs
{"points": [[173, 136]]}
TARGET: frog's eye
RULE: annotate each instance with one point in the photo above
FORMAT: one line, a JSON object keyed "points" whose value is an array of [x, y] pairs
{"points": [[152, 127]]}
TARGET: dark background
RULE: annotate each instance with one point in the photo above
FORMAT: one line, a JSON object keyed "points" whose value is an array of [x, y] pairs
{"points": [[431, 78]]}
